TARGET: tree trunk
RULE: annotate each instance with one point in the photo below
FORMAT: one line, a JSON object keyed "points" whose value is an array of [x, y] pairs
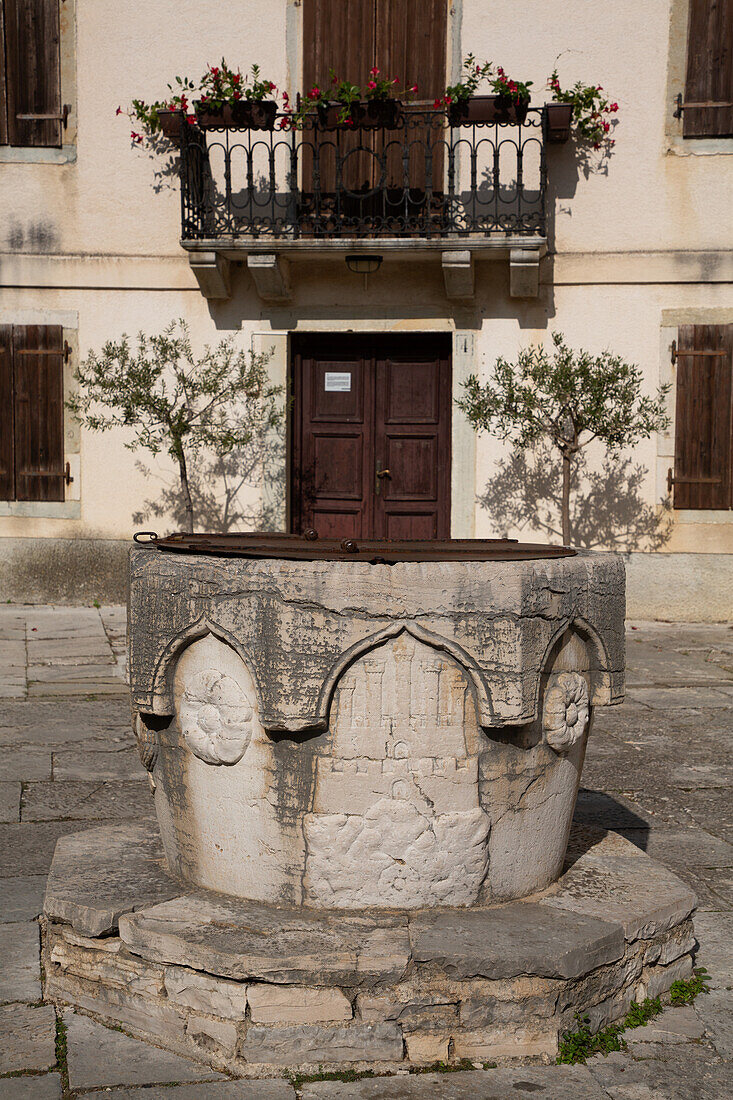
{"points": [[566, 460], [186, 491]]}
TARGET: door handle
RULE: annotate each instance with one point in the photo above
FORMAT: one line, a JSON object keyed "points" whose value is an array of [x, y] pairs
{"points": [[381, 474]]}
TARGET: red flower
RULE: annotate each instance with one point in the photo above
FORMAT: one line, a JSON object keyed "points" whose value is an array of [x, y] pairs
{"points": [[448, 99], [286, 98], [374, 71], [214, 71], [371, 84], [191, 119], [236, 78], [436, 103], [314, 93], [273, 87], [118, 111], [237, 93], [413, 88], [613, 107]]}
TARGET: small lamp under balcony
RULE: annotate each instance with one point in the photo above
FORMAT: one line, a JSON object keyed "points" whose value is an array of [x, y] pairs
{"points": [[363, 263]]}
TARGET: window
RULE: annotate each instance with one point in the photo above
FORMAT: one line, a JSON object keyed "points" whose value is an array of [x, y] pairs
{"points": [[703, 458], [31, 112], [31, 412], [708, 100]]}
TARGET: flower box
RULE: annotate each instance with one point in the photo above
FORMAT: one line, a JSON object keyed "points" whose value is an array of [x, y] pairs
{"points": [[249, 114], [558, 117], [170, 124], [487, 108], [370, 114]]}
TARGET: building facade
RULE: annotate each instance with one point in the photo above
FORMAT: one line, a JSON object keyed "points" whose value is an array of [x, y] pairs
{"points": [[378, 269]]}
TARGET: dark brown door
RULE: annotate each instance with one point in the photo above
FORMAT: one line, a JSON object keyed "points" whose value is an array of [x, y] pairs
{"points": [[403, 38], [371, 436]]}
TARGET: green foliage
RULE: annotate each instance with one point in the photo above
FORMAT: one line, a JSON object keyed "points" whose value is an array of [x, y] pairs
{"points": [[61, 1053], [684, 993], [461, 1066], [569, 398], [170, 400], [563, 396], [472, 75], [590, 106], [580, 1044], [297, 1080]]}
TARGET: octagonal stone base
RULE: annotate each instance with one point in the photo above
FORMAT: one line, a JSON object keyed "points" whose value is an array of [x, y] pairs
{"points": [[254, 989]]}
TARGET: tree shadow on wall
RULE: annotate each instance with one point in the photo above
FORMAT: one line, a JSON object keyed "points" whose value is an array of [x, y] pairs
{"points": [[606, 507], [219, 489]]}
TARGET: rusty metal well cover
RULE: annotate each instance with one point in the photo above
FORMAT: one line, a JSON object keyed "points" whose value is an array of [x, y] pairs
{"points": [[309, 547]]}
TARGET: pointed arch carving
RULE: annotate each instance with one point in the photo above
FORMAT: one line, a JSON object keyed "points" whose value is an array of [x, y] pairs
{"points": [[163, 674], [602, 685], [476, 675]]}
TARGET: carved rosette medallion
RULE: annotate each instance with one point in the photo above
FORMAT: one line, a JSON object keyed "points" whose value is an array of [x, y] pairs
{"points": [[216, 717], [566, 711]]}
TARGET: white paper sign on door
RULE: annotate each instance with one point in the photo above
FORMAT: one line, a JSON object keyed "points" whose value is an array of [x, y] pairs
{"points": [[338, 382]]}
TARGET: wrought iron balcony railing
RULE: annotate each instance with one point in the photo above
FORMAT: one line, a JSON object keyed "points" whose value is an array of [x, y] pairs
{"points": [[425, 178]]}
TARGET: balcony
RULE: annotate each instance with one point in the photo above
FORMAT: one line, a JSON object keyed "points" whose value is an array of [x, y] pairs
{"points": [[423, 189]]}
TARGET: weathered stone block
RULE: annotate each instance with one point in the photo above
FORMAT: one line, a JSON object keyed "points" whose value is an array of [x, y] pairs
{"points": [[244, 940], [503, 942], [486, 1044], [217, 1037], [101, 873], [204, 993], [424, 1048], [104, 961], [290, 1004], [658, 979], [313, 1044]]}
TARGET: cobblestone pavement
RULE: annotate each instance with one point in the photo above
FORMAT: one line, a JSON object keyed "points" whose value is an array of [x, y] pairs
{"points": [[658, 769]]}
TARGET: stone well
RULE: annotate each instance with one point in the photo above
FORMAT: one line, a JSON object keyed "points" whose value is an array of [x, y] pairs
{"points": [[360, 766]]}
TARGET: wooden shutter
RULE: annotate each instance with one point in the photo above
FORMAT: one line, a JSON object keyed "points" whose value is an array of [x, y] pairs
{"points": [[32, 72], [709, 70], [704, 417], [3, 82], [410, 42], [7, 446], [38, 366]]}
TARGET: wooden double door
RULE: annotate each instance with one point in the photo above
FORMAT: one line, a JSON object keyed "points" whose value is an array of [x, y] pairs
{"points": [[371, 436]]}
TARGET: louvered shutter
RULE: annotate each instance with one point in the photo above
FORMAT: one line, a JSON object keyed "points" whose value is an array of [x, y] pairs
{"points": [[38, 366], [709, 70], [703, 477], [7, 418], [32, 72]]}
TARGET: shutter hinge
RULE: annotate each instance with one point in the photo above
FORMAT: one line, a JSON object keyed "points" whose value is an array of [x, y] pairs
{"points": [[695, 351], [67, 475], [687, 106], [62, 118], [67, 351]]}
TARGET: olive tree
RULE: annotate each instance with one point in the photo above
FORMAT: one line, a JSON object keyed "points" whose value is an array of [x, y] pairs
{"points": [[219, 402], [568, 398]]}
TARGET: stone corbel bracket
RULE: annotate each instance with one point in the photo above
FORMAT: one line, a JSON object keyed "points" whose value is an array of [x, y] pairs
{"points": [[292, 624], [524, 272], [458, 275], [213, 272], [271, 275]]}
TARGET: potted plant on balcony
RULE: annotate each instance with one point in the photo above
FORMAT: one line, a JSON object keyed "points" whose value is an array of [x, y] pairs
{"points": [[509, 103], [346, 106], [164, 117], [229, 100], [584, 109]]}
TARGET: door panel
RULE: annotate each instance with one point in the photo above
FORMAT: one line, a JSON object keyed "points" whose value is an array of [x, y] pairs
{"points": [[365, 406]]}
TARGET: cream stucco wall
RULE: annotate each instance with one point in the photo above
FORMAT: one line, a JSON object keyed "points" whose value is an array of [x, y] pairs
{"points": [[93, 243]]}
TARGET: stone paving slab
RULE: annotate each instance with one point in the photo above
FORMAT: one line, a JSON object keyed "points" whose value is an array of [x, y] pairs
{"points": [[98, 1056], [518, 938], [45, 1087], [53, 725], [685, 847], [87, 800], [27, 1038], [25, 764], [692, 1074], [250, 940], [716, 1012], [119, 764], [85, 893], [537, 1082], [213, 1090], [21, 898], [20, 969], [675, 1025], [9, 802], [613, 880], [27, 849]]}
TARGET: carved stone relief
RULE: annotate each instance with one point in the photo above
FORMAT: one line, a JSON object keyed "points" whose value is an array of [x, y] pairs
{"points": [[396, 818], [215, 717], [566, 709]]}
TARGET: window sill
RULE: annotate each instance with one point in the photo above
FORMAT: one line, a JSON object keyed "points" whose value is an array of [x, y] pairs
{"points": [[41, 509], [15, 154], [703, 515], [698, 147]]}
